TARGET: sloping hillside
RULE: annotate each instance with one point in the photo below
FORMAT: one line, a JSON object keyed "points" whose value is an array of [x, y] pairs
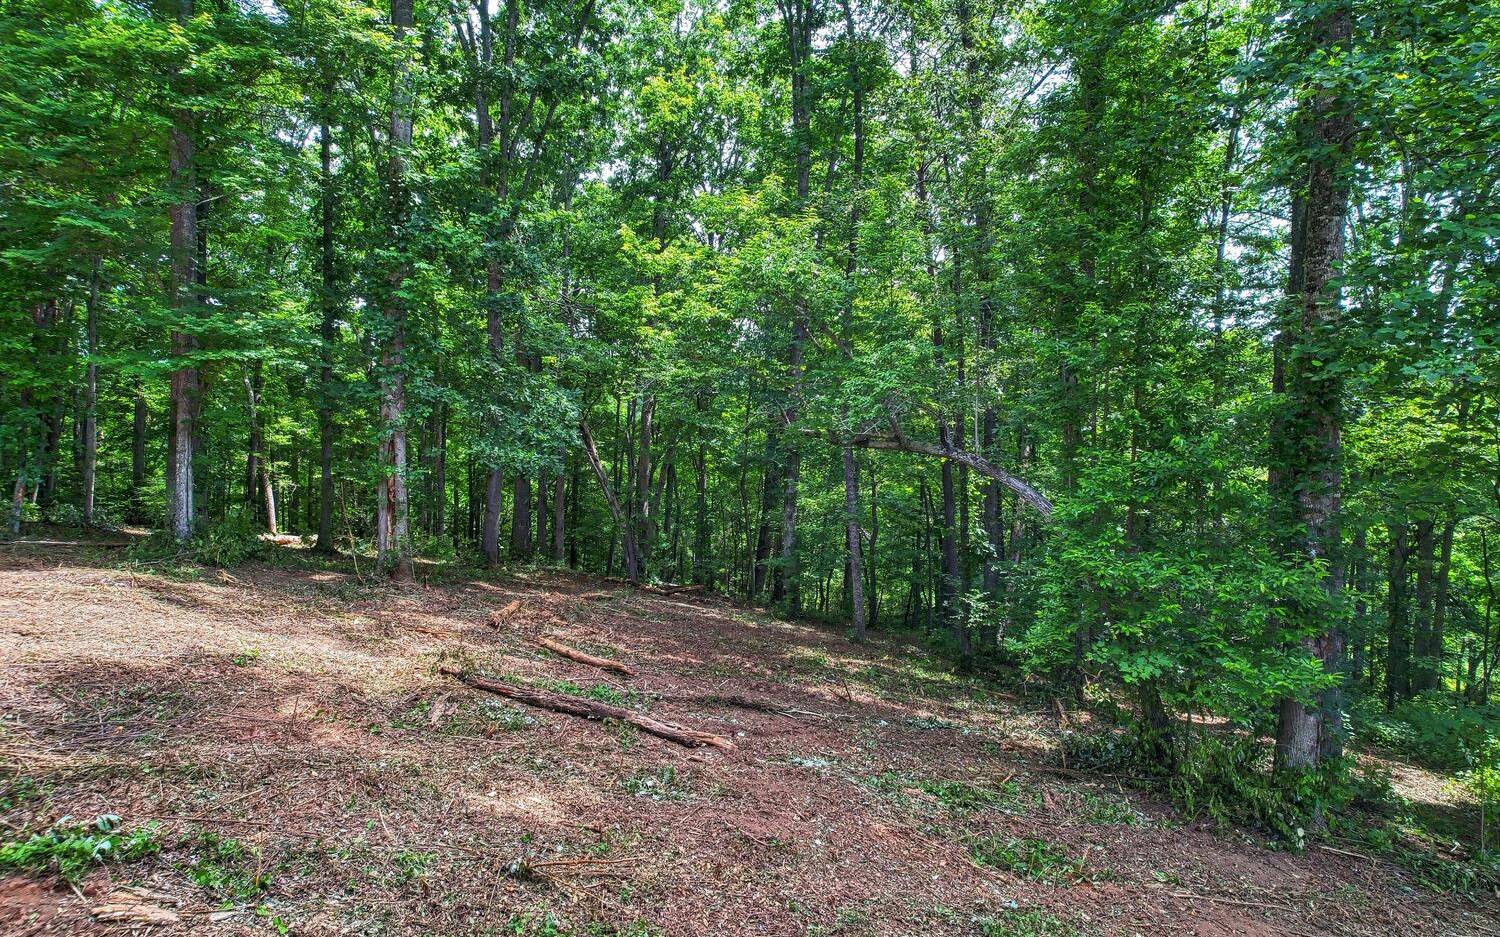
{"points": [[285, 736]]}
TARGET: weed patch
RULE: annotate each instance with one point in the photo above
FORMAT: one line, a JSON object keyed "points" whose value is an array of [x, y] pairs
{"points": [[70, 851], [226, 867], [1030, 857], [662, 784]]}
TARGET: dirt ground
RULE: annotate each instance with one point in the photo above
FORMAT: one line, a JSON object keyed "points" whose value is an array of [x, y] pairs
{"points": [[309, 771]]}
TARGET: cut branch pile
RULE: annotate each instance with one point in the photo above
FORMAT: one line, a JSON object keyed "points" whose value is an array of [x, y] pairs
{"points": [[588, 709]]}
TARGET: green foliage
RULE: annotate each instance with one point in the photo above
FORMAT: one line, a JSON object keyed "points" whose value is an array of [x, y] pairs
{"points": [[1030, 857], [961, 797], [227, 867], [1229, 780], [1483, 780], [1027, 923], [1434, 731], [227, 544], [661, 784], [71, 851]]}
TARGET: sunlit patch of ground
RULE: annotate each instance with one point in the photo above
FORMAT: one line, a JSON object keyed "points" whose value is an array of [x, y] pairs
{"points": [[306, 766]]}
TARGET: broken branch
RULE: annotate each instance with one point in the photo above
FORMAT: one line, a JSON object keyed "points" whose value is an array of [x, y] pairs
{"points": [[582, 658], [588, 709]]}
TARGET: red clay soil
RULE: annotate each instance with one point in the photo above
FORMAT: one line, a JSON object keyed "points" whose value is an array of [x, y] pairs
{"points": [[307, 767]]}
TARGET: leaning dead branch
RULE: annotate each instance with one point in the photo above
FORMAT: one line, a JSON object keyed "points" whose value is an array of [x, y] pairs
{"points": [[588, 709], [570, 653], [672, 590]]}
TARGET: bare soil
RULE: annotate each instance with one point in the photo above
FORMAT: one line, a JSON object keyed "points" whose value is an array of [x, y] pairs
{"points": [[296, 714]]}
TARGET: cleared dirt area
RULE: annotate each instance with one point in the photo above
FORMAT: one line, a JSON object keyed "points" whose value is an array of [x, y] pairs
{"points": [[310, 771]]}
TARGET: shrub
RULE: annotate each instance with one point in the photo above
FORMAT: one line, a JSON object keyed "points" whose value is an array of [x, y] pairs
{"points": [[227, 867], [228, 543], [1433, 731], [1031, 857], [1229, 779], [71, 851]]}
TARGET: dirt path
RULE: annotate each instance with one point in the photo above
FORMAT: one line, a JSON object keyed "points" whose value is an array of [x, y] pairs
{"points": [[309, 769]]}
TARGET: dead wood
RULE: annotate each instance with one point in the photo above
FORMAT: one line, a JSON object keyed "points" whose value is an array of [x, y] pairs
{"points": [[740, 702], [672, 590], [499, 615], [588, 709], [574, 654]]}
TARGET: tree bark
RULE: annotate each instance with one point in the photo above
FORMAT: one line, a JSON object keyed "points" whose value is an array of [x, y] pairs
{"points": [[393, 536], [632, 565], [138, 457], [91, 397], [182, 181], [327, 334], [258, 475], [1314, 476]]}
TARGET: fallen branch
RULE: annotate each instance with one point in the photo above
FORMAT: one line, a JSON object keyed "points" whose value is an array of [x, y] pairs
{"points": [[588, 709], [741, 702], [574, 654], [501, 614], [672, 590]]}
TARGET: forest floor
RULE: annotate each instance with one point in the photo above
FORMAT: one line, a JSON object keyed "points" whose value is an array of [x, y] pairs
{"points": [[308, 770]]}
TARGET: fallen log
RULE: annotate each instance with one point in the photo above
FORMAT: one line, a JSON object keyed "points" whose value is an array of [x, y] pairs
{"points": [[574, 654], [739, 702], [672, 590], [588, 709], [501, 614]]}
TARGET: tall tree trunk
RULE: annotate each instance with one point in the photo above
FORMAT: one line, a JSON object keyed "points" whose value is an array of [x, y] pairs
{"points": [[632, 565], [700, 501], [559, 515], [645, 534], [1422, 677], [1398, 646], [138, 456], [797, 18], [393, 537], [182, 181], [258, 480], [91, 397], [520, 516], [440, 474], [854, 547], [1440, 604], [1315, 396], [771, 482], [327, 325]]}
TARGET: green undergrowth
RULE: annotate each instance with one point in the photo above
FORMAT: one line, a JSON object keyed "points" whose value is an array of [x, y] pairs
{"points": [[1033, 858], [71, 850], [1024, 923], [227, 867]]}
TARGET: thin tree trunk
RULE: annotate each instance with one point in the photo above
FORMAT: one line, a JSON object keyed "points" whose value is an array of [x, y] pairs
{"points": [[91, 398], [1422, 676], [559, 515], [393, 537], [632, 566], [327, 335], [259, 474], [138, 457]]}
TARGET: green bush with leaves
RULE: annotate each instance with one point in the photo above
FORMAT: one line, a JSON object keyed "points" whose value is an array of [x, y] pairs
{"points": [[71, 851], [1433, 731], [229, 543]]}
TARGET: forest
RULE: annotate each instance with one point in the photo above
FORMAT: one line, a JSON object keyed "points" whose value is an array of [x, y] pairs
{"points": [[1139, 354]]}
